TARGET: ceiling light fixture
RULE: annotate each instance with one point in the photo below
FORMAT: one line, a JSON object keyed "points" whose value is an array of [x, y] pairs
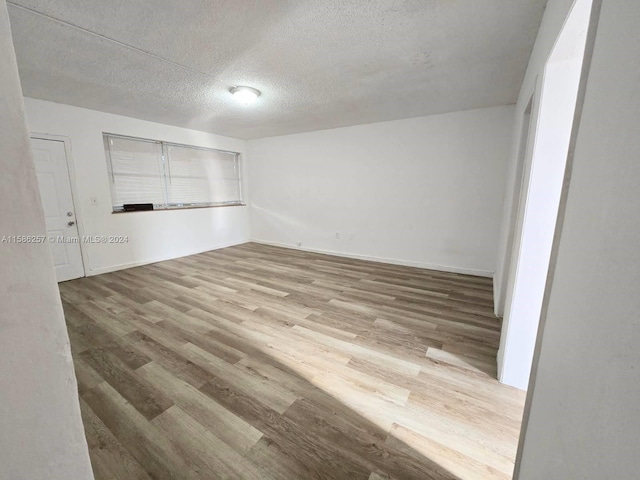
{"points": [[245, 95]]}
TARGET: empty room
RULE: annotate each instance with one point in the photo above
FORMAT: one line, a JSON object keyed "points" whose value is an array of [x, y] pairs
{"points": [[319, 239]]}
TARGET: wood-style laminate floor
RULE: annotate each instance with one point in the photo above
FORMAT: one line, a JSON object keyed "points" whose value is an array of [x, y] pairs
{"points": [[257, 362]]}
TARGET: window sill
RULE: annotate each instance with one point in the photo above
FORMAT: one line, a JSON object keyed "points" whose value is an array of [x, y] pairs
{"points": [[185, 207]]}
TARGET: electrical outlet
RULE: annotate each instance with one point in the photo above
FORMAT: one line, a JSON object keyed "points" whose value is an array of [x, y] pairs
{"points": [[299, 244], [337, 235], [94, 201]]}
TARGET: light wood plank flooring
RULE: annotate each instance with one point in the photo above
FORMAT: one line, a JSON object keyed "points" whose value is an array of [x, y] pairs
{"points": [[256, 362]]}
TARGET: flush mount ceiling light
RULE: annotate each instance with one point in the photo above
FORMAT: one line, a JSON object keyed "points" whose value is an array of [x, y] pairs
{"points": [[245, 95]]}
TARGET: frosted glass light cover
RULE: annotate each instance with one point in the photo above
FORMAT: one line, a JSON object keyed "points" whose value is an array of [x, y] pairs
{"points": [[245, 95]]}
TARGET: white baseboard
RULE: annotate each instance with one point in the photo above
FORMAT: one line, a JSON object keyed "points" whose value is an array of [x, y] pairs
{"points": [[123, 266], [391, 261]]}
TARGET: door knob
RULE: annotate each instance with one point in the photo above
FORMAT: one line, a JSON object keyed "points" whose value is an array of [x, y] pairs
{"points": [[69, 214], [71, 223]]}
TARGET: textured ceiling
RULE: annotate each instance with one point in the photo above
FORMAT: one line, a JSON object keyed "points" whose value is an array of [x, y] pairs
{"points": [[319, 63]]}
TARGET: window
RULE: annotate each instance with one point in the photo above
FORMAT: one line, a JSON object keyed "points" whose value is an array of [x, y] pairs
{"points": [[170, 175]]}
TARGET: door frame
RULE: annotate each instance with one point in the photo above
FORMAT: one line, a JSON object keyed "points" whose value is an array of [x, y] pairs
{"points": [[71, 171], [526, 141]]}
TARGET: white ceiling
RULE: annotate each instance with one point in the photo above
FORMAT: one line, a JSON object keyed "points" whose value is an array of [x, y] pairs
{"points": [[319, 63]]}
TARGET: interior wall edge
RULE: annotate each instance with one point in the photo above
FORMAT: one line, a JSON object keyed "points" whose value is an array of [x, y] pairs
{"points": [[41, 430]]}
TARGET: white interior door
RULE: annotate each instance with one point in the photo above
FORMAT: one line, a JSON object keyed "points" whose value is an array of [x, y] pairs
{"points": [[55, 192]]}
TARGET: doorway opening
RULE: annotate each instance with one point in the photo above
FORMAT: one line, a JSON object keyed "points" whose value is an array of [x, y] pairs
{"points": [[542, 179]]}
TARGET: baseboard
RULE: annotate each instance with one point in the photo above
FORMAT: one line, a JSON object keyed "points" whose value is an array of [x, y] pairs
{"points": [[391, 261], [124, 266]]}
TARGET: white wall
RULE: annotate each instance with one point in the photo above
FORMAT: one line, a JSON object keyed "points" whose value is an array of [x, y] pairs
{"points": [[153, 236], [584, 401], [544, 171], [41, 434], [424, 191], [555, 14]]}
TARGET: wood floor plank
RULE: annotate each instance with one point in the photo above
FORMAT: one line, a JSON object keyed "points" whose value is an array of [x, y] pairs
{"points": [[274, 396], [161, 457], [178, 365], [110, 460], [233, 430], [147, 399], [207, 454], [258, 362], [366, 444], [323, 460], [275, 460]]}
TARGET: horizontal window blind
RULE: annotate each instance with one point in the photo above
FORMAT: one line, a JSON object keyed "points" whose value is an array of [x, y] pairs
{"points": [[135, 167], [170, 175], [201, 176]]}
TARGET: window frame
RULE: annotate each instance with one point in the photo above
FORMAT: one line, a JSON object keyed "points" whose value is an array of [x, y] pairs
{"points": [[166, 172]]}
